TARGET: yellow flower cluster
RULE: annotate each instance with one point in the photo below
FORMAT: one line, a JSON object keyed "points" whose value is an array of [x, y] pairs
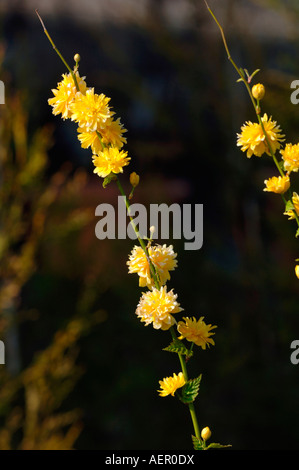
{"points": [[97, 128], [196, 331], [265, 137]]}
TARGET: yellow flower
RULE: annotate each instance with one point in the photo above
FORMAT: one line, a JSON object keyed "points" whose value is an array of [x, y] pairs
{"points": [[111, 160], [169, 385], [162, 257], [290, 155], [295, 201], [112, 133], [65, 94], [297, 270], [91, 110], [258, 91], [252, 139], [157, 307], [278, 185], [196, 331]]}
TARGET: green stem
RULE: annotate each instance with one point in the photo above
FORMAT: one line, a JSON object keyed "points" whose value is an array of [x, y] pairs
{"points": [[58, 52]]}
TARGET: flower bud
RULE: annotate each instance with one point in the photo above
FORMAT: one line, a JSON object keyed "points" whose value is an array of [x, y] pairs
{"points": [[134, 179], [77, 58], [258, 91], [206, 433]]}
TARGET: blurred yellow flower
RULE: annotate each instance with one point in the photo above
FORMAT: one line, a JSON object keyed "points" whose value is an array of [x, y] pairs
{"points": [[110, 160], [91, 110], [169, 385], [65, 94], [196, 331], [253, 141], [258, 91], [277, 184], [157, 307], [290, 155], [297, 270], [162, 257]]}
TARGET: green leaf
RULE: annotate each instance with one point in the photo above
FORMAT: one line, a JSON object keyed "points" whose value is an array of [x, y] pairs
{"points": [[289, 205], [197, 443], [215, 445], [190, 390], [178, 347], [108, 179], [297, 233]]}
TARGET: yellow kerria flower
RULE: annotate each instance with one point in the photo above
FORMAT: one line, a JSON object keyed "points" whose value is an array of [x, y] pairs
{"points": [[290, 155], [277, 184], [295, 201], [110, 134], [196, 331], [253, 141], [91, 110], [157, 307], [169, 385], [162, 257], [65, 94], [297, 270], [110, 160]]}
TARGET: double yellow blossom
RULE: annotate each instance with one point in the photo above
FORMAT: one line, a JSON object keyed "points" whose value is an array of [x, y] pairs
{"points": [[290, 155], [157, 307], [111, 160], [169, 385], [65, 95], [252, 138], [277, 184], [196, 331], [162, 257]]}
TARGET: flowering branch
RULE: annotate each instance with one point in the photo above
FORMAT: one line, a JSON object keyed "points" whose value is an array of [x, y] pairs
{"points": [[98, 130], [265, 137]]}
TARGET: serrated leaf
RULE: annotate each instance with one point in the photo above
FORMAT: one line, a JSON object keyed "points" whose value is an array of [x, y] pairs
{"points": [[197, 443], [289, 205], [190, 390], [178, 347]]}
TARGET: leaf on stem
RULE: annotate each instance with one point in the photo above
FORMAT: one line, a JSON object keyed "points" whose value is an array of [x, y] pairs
{"points": [[178, 347], [190, 390]]}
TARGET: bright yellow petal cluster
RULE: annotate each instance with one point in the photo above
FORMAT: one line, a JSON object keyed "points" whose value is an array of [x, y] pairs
{"points": [[169, 385], [196, 331], [297, 270], [65, 94], [163, 259], [91, 111], [277, 184], [253, 141], [157, 307], [110, 160], [96, 127], [290, 155]]}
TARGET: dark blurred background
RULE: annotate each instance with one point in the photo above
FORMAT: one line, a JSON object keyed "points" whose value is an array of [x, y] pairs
{"points": [[68, 322]]}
